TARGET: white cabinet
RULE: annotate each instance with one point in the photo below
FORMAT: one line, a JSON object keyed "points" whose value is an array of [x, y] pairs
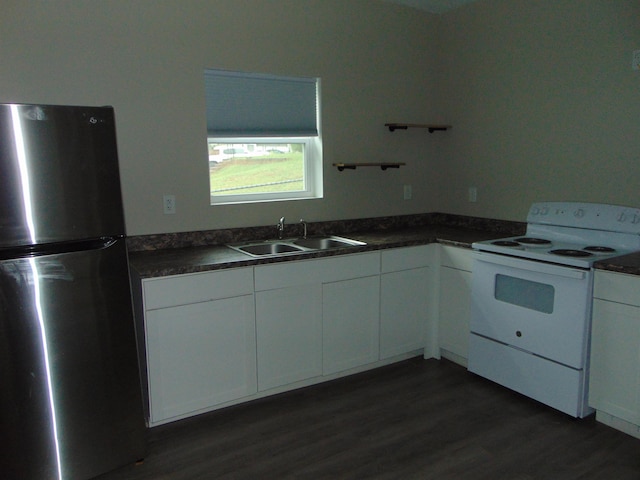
{"points": [[289, 332], [454, 303], [405, 299], [615, 351], [217, 338], [200, 341], [316, 317], [350, 313]]}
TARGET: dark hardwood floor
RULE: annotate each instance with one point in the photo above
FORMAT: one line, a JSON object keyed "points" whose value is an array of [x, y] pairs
{"points": [[413, 420]]}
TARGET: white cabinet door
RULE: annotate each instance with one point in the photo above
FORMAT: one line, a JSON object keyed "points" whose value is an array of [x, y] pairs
{"points": [[455, 301], [404, 311], [350, 315], [200, 355], [289, 315], [455, 310], [406, 300], [289, 332], [615, 360]]}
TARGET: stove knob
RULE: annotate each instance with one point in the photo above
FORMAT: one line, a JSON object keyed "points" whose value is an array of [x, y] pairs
{"points": [[544, 211], [518, 333], [579, 213], [621, 217], [636, 218]]}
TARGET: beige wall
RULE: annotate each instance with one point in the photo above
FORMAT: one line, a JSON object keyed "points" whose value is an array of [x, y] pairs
{"points": [[377, 64], [535, 91], [544, 102]]}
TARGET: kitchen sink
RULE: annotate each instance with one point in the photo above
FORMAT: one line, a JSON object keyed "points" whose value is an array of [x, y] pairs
{"points": [[262, 249], [274, 248], [323, 243]]}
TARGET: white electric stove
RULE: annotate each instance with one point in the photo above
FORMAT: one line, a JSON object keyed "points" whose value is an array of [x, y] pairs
{"points": [[531, 299]]}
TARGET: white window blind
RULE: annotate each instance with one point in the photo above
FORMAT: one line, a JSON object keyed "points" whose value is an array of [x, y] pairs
{"points": [[257, 105]]}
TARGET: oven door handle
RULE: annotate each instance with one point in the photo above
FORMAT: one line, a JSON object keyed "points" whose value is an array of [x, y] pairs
{"points": [[530, 265]]}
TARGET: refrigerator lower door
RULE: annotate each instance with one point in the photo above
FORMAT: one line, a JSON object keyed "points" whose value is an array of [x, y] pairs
{"points": [[70, 395]]}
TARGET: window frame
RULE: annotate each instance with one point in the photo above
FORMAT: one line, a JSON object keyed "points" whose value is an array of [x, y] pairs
{"points": [[312, 171], [222, 95]]}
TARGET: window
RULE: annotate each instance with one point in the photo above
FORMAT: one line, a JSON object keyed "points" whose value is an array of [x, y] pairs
{"points": [[525, 293], [263, 137]]}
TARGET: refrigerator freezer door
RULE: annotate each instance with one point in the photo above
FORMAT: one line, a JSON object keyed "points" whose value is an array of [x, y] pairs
{"points": [[70, 402], [59, 177]]}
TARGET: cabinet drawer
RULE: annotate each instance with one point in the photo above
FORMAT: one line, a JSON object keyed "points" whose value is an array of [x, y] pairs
{"points": [[406, 258], [617, 287], [197, 287], [456, 257], [322, 270]]}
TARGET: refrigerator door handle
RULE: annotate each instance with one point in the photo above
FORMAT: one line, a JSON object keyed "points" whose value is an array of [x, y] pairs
{"points": [[38, 250]]}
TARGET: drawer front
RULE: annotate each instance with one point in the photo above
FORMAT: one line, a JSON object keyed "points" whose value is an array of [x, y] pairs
{"points": [[456, 257], [407, 258], [197, 287], [617, 287], [304, 272], [504, 365]]}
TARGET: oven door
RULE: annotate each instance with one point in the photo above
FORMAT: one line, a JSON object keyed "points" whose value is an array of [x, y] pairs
{"points": [[533, 306]]}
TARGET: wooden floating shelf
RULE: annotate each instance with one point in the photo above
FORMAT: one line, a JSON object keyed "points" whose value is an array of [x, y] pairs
{"points": [[403, 126], [353, 166]]}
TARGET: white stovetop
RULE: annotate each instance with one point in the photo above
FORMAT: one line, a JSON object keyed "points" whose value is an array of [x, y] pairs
{"points": [[574, 226]]}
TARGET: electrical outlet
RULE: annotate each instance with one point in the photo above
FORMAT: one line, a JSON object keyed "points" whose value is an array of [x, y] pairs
{"points": [[635, 63], [473, 194], [407, 192], [169, 204]]}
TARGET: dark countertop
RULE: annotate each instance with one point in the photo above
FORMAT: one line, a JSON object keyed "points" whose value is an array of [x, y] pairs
{"points": [[629, 264], [176, 261], [174, 258]]}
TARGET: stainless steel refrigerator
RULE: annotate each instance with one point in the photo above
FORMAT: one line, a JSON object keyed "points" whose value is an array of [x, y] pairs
{"points": [[70, 393]]}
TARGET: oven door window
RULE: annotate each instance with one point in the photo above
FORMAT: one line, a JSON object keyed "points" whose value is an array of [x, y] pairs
{"points": [[525, 293]]}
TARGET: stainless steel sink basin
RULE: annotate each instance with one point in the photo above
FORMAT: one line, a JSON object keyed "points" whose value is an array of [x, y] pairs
{"points": [[274, 248], [323, 243], [262, 249]]}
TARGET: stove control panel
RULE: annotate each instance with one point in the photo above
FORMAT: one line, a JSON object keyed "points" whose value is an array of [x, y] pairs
{"points": [[598, 216]]}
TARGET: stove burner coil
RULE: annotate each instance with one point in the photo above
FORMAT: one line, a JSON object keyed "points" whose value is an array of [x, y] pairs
{"points": [[506, 243], [533, 241], [599, 249], [570, 253]]}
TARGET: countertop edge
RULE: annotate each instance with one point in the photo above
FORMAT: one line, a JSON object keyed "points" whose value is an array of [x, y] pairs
{"points": [[198, 259], [203, 258], [627, 264]]}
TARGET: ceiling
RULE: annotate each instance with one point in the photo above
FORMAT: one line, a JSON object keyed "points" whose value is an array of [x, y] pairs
{"points": [[433, 6]]}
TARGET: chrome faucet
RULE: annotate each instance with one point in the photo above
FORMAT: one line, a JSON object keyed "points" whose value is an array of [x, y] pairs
{"points": [[280, 227], [304, 228]]}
